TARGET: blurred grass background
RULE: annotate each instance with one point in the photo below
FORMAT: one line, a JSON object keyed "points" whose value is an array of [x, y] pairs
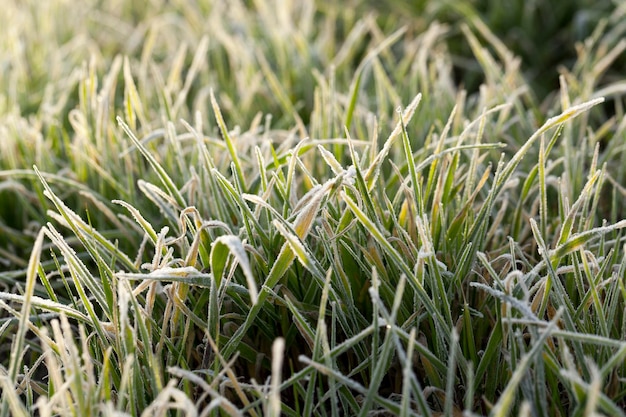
{"points": [[544, 34], [112, 100]]}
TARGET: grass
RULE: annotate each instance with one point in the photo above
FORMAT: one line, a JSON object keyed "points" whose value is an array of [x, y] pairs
{"points": [[245, 209]]}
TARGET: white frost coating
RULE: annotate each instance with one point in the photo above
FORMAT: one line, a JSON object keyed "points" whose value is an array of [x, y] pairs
{"points": [[350, 175], [183, 272]]}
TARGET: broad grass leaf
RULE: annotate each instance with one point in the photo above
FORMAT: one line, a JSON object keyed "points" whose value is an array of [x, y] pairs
{"points": [[232, 245]]}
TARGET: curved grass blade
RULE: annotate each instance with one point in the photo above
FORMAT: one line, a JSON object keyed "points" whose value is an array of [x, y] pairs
{"points": [[169, 185], [221, 248]]}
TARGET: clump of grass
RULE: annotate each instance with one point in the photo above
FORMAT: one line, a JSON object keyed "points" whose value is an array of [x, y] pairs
{"points": [[264, 210]]}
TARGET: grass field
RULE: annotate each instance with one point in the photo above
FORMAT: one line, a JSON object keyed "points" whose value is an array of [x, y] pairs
{"points": [[269, 207]]}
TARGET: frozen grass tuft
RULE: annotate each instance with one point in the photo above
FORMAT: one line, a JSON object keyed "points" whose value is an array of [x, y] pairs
{"points": [[289, 208]]}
